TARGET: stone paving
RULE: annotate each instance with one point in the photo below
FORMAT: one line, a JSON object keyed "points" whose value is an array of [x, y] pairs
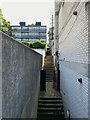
{"points": [[50, 91]]}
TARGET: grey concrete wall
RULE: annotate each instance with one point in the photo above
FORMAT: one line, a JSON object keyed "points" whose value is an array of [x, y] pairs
{"points": [[0, 76], [20, 79]]}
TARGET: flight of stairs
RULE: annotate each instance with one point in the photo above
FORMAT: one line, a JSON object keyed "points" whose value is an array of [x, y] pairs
{"points": [[50, 105], [50, 108], [49, 67]]}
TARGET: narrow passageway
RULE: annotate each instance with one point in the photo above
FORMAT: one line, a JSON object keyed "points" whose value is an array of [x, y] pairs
{"points": [[49, 67], [50, 101]]}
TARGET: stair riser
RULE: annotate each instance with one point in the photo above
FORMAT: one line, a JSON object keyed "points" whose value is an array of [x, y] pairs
{"points": [[49, 68], [51, 102], [51, 114], [55, 111], [50, 98], [49, 72], [49, 63], [49, 79], [49, 75], [50, 106], [51, 118]]}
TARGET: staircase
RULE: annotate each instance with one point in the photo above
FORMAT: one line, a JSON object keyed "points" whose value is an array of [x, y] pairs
{"points": [[50, 105], [49, 67], [50, 108]]}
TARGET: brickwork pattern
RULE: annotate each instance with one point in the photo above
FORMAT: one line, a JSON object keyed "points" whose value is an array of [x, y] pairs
{"points": [[73, 47]]}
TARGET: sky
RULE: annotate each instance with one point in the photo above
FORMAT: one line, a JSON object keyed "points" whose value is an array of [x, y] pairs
{"points": [[29, 11]]}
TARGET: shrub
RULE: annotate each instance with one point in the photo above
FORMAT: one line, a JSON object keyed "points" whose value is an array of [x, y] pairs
{"points": [[38, 44], [26, 43]]}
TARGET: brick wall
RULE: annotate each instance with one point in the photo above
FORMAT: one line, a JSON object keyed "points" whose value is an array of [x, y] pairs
{"points": [[73, 48]]}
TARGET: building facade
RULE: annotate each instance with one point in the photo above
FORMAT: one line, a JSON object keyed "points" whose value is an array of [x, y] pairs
{"points": [[29, 33], [51, 39], [72, 42]]}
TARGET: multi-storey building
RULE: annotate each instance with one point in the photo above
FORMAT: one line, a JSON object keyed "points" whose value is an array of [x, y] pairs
{"points": [[29, 33]]}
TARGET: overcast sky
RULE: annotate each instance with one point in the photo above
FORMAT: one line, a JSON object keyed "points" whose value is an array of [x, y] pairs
{"points": [[27, 10]]}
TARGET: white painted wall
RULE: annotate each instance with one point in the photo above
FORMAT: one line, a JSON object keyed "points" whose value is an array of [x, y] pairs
{"points": [[73, 46], [42, 52]]}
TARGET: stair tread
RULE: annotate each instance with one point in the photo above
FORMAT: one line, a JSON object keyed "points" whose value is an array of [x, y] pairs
{"points": [[51, 113], [52, 109], [49, 98], [50, 105], [51, 118], [54, 102]]}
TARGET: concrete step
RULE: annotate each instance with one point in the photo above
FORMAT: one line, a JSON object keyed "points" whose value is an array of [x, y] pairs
{"points": [[50, 101], [49, 72], [48, 61], [50, 108], [48, 64], [48, 57], [49, 80], [51, 113], [49, 75], [50, 105], [50, 98], [50, 117], [49, 68]]}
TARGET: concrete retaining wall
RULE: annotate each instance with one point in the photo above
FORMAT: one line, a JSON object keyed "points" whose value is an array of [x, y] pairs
{"points": [[42, 52], [20, 79], [0, 76]]}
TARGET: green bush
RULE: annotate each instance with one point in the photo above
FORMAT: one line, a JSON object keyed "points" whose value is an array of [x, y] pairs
{"points": [[36, 45], [26, 43]]}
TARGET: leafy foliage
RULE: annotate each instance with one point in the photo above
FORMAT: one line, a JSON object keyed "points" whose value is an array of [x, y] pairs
{"points": [[4, 24], [32, 25], [36, 45]]}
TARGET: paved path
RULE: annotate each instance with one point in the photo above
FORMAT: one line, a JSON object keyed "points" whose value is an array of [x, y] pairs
{"points": [[50, 91], [49, 67]]}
